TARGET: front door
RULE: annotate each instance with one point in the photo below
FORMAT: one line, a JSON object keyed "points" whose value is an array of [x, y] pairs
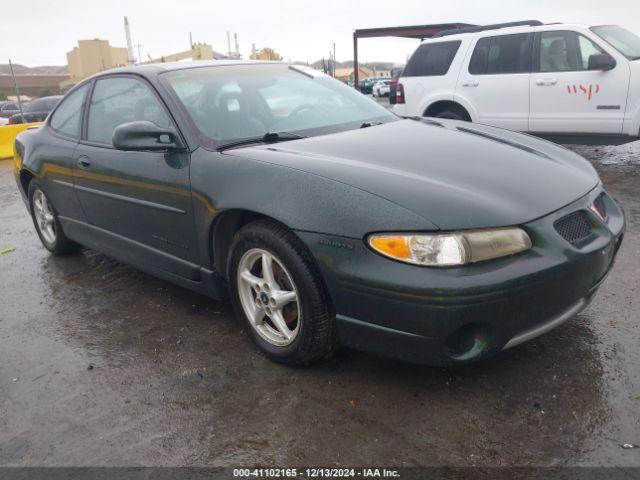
{"points": [[567, 97], [138, 204]]}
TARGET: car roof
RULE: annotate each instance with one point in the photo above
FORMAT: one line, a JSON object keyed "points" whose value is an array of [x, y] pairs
{"points": [[152, 69], [506, 30]]}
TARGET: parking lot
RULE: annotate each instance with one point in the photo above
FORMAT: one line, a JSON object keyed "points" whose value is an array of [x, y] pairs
{"points": [[103, 365]]}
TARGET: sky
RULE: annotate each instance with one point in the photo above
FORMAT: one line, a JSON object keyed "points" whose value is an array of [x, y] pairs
{"points": [[40, 32]]}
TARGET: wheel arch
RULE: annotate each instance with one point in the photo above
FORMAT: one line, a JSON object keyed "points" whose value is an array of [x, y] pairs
{"points": [[468, 106], [440, 106], [25, 176], [221, 232], [224, 228]]}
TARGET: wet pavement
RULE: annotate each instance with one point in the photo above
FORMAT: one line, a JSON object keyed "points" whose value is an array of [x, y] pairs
{"points": [[103, 365]]}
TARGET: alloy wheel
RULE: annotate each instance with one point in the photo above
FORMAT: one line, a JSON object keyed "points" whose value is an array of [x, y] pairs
{"points": [[44, 217], [269, 297]]}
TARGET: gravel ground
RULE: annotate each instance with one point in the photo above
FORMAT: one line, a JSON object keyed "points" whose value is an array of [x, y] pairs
{"points": [[103, 365]]}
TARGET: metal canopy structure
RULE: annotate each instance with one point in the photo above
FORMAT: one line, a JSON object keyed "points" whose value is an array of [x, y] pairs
{"points": [[418, 32]]}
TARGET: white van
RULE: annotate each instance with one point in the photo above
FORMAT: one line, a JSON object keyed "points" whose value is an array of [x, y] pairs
{"points": [[554, 80]]}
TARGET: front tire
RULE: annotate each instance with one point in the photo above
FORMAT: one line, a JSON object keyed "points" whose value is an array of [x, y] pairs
{"points": [[277, 292], [47, 223]]}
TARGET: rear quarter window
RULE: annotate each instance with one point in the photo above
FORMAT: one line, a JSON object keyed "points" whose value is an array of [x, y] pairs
{"points": [[66, 118], [432, 59]]}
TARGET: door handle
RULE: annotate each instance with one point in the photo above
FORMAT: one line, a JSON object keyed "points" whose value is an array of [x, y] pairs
{"points": [[84, 162], [547, 82], [471, 83]]}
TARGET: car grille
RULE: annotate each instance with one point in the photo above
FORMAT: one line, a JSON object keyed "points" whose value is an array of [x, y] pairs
{"points": [[600, 206], [574, 227]]}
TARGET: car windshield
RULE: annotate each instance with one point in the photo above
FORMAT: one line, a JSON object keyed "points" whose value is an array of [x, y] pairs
{"points": [[622, 40], [231, 102]]}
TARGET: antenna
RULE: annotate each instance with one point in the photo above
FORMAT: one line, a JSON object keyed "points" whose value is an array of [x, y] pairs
{"points": [[127, 32]]}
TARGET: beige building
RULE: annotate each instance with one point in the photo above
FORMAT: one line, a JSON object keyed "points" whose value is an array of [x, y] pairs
{"points": [[265, 53], [93, 56], [198, 51], [346, 74]]}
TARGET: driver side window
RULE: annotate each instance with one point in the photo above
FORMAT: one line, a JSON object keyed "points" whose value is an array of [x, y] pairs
{"points": [[556, 54], [121, 100], [565, 52]]}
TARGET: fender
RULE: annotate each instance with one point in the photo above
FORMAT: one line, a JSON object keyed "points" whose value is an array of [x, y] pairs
{"points": [[302, 201], [632, 123]]}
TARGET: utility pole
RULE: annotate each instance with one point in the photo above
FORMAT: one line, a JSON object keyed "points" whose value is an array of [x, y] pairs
{"points": [[127, 32], [139, 54], [15, 84], [356, 68], [334, 59]]}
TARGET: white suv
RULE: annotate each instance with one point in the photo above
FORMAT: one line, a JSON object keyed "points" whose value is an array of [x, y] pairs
{"points": [[554, 80]]}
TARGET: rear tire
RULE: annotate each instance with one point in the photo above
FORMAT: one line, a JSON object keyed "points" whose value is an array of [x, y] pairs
{"points": [[450, 114], [267, 263], [45, 219], [453, 112]]}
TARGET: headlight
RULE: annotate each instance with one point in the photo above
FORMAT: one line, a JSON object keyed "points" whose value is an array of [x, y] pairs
{"points": [[447, 249]]}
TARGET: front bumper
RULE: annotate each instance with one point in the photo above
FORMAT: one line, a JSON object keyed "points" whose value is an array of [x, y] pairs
{"points": [[443, 316]]}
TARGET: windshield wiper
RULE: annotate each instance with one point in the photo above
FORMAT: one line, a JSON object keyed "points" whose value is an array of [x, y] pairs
{"points": [[269, 137], [370, 124]]}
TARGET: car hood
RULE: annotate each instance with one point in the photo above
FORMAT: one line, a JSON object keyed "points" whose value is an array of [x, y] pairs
{"points": [[455, 175]]}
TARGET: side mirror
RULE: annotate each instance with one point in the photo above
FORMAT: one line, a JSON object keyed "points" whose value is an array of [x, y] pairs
{"points": [[144, 135], [601, 61]]}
